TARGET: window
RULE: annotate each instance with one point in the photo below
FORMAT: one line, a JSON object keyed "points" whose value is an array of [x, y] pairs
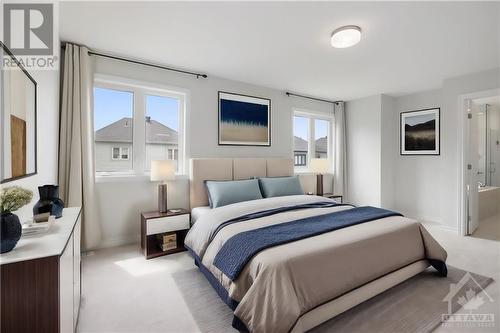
{"points": [[312, 135], [119, 153], [300, 159], [158, 116], [116, 153]]}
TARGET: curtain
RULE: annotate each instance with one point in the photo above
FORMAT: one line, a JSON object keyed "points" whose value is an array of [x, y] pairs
{"points": [[340, 175], [76, 134]]}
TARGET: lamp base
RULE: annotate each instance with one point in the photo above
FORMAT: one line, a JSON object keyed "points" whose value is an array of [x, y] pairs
{"points": [[319, 184], [162, 198]]}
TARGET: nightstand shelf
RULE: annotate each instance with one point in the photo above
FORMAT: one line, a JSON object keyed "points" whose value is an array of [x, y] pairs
{"points": [[156, 223]]}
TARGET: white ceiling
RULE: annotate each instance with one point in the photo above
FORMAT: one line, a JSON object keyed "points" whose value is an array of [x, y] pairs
{"points": [[405, 47]]}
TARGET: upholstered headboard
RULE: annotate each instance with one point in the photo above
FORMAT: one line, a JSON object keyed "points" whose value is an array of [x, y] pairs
{"points": [[201, 169]]}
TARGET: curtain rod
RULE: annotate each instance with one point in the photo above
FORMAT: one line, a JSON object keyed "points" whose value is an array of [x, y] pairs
{"points": [[313, 98], [110, 56]]}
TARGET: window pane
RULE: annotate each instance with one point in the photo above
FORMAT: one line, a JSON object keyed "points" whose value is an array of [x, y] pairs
{"points": [[113, 112], [300, 140], [116, 153], [321, 129], [124, 153], [162, 129]]}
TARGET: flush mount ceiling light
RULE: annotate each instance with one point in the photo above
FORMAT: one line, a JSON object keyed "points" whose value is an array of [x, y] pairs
{"points": [[346, 36]]}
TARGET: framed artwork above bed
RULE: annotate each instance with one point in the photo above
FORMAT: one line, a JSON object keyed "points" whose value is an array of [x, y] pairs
{"points": [[420, 132], [244, 120]]}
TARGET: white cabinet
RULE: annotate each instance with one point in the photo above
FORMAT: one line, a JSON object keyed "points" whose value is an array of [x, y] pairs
{"points": [[77, 280], [69, 277], [40, 289], [66, 288]]}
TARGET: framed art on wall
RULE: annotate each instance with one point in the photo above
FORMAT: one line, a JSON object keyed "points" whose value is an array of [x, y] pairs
{"points": [[244, 120], [18, 145], [420, 132]]}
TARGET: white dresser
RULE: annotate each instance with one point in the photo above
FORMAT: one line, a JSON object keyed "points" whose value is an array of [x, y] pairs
{"points": [[41, 279]]}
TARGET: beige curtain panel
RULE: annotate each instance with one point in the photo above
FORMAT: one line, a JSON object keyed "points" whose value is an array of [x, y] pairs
{"points": [[76, 155], [340, 179]]}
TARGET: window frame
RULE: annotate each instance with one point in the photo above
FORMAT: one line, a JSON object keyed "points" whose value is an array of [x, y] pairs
{"points": [[120, 153], [140, 90], [311, 144]]}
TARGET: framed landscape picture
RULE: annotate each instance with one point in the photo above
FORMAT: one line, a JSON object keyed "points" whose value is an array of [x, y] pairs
{"points": [[244, 120], [420, 132]]}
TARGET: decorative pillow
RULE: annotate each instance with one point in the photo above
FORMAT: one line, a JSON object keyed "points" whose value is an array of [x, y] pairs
{"points": [[222, 193], [280, 186]]}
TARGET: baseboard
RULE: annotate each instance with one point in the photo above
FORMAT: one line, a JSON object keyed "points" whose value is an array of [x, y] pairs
{"points": [[439, 226], [119, 241]]}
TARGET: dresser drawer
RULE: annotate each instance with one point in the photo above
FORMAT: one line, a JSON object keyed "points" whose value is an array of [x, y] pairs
{"points": [[166, 224]]}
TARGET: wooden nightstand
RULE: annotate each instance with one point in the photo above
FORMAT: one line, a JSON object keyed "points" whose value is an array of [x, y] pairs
{"points": [[156, 223], [334, 196]]}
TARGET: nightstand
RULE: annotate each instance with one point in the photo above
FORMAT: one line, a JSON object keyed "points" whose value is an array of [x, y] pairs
{"points": [[334, 196], [155, 224]]}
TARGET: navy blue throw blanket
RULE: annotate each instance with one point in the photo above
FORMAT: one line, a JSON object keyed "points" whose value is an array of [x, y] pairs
{"points": [[273, 211], [239, 249]]}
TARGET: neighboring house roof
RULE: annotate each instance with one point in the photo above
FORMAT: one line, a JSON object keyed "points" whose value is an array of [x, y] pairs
{"points": [[321, 145], [121, 131], [301, 144]]}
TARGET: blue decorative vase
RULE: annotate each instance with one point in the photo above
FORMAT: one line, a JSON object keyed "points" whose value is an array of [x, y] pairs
{"points": [[10, 231], [49, 201]]}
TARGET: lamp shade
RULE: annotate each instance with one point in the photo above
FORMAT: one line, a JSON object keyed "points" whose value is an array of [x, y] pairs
{"points": [[162, 170], [319, 165]]}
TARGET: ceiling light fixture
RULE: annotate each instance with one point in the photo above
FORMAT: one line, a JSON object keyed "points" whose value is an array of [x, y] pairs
{"points": [[346, 36]]}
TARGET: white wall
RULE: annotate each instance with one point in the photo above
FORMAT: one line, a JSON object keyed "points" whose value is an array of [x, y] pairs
{"points": [[452, 89], [421, 187], [363, 118], [47, 134], [426, 187], [122, 202], [389, 151], [417, 190]]}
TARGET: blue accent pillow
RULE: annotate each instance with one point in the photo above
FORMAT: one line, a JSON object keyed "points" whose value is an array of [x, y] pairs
{"points": [[222, 193], [280, 186]]}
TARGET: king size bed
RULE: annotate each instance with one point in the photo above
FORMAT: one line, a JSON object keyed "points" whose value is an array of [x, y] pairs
{"points": [[287, 263]]}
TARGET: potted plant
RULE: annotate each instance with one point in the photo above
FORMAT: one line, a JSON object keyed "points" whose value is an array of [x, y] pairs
{"points": [[11, 199]]}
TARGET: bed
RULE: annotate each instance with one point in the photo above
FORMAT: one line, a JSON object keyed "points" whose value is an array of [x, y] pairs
{"points": [[295, 285]]}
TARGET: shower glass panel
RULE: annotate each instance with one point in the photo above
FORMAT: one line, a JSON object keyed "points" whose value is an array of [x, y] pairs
{"points": [[489, 145], [482, 149]]}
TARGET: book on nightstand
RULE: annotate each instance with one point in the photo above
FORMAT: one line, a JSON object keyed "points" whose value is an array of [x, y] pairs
{"points": [[167, 241]]}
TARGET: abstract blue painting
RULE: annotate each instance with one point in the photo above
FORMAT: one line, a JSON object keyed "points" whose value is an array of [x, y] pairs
{"points": [[244, 120]]}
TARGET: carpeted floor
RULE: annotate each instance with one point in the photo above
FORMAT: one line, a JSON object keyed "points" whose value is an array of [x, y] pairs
{"points": [[123, 292], [415, 305]]}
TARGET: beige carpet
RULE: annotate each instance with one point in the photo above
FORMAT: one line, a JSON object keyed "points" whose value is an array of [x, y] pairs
{"points": [[123, 292], [415, 305]]}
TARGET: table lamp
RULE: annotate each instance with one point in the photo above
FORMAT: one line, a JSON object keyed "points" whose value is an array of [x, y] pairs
{"points": [[319, 166], [162, 170]]}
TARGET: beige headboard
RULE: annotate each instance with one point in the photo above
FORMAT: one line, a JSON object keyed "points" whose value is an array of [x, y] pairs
{"points": [[201, 169]]}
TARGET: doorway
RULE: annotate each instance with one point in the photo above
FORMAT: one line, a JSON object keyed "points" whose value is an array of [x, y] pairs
{"points": [[482, 153]]}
